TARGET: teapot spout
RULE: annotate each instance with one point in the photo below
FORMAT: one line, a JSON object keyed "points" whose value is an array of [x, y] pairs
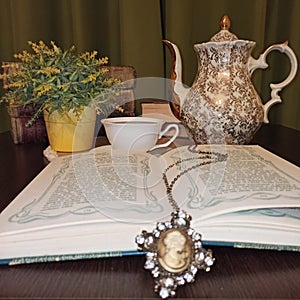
{"points": [[179, 90]]}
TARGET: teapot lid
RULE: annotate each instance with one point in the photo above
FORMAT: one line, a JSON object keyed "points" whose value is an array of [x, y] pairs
{"points": [[224, 34]]}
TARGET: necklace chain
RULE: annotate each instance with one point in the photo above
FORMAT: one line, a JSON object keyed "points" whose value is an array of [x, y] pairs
{"points": [[207, 157], [174, 249]]}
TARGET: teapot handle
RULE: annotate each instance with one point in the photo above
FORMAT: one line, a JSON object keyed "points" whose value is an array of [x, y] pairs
{"points": [[254, 64]]}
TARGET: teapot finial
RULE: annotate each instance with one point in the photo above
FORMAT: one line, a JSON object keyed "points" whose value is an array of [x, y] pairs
{"points": [[224, 35], [225, 23]]}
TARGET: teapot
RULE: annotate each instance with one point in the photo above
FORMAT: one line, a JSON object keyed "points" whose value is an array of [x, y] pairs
{"points": [[222, 105]]}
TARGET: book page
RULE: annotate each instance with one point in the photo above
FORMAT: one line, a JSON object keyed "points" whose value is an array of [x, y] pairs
{"points": [[250, 178], [106, 187], [98, 186]]}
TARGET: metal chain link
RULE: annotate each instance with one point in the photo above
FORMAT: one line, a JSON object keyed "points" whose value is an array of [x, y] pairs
{"points": [[203, 155]]}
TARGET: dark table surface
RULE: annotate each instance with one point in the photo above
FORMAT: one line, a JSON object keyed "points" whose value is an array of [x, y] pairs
{"points": [[238, 273]]}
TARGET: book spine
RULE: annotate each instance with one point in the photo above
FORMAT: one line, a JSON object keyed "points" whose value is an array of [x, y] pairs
{"points": [[267, 247], [66, 257], [258, 246]]}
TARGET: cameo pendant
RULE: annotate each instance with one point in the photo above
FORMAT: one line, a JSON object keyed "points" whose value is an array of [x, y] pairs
{"points": [[174, 253]]}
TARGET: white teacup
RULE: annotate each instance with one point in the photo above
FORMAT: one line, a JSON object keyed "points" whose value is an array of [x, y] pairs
{"points": [[137, 133]]}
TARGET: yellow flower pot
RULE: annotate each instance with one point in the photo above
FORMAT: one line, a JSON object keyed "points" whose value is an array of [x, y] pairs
{"points": [[68, 133]]}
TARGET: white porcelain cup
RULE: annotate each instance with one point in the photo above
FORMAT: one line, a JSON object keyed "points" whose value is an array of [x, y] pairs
{"points": [[137, 133]]}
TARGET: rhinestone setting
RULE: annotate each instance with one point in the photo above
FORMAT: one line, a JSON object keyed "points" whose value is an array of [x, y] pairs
{"points": [[158, 244]]}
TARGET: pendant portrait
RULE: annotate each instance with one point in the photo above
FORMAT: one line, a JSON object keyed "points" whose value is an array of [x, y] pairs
{"points": [[174, 250]]}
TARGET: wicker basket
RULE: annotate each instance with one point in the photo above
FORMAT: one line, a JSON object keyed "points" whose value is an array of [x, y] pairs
{"points": [[127, 75], [19, 116]]}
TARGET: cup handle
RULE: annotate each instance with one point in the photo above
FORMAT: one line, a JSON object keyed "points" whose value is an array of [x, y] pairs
{"points": [[171, 140]]}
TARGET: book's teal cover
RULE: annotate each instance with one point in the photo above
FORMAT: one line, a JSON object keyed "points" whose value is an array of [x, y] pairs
{"points": [[57, 258], [97, 255]]}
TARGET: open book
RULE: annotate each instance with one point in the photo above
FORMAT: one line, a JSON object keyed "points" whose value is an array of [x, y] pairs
{"points": [[93, 204]]}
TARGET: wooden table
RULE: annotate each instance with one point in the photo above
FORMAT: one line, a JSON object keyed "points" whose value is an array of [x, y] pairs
{"points": [[238, 273]]}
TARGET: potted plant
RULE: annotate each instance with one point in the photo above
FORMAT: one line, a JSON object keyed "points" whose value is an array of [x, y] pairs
{"points": [[67, 88]]}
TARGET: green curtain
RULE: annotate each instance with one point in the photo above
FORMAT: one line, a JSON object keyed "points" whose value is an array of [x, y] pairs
{"points": [[129, 32]]}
